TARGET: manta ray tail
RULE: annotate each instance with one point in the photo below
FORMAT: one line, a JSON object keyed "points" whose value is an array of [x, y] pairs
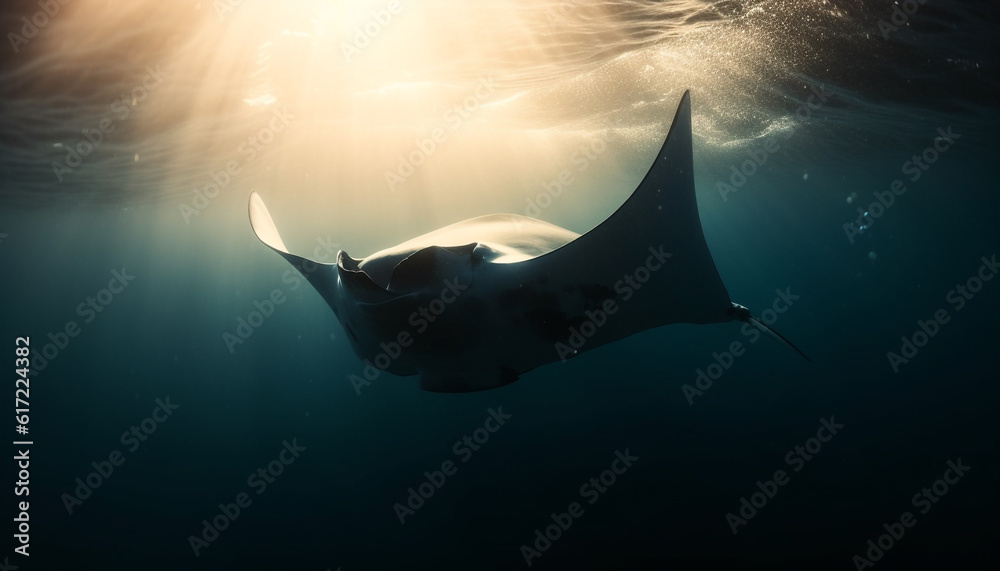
{"points": [[741, 313], [321, 275], [775, 335]]}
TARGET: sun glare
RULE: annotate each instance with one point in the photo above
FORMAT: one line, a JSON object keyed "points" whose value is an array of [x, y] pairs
{"points": [[425, 111]]}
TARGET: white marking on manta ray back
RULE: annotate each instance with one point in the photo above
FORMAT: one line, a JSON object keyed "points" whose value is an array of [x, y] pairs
{"points": [[511, 237]]}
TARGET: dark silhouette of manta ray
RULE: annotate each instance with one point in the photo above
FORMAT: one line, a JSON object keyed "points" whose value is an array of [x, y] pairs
{"points": [[476, 304]]}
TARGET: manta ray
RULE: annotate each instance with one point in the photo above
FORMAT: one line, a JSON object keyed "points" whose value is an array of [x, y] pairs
{"points": [[476, 304]]}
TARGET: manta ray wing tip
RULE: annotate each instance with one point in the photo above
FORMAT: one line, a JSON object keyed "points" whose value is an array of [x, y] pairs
{"points": [[263, 225]]}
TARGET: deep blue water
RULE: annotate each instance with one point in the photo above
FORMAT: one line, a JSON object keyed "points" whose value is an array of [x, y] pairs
{"points": [[562, 76]]}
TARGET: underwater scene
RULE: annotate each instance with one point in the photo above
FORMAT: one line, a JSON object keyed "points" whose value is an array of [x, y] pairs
{"points": [[331, 285]]}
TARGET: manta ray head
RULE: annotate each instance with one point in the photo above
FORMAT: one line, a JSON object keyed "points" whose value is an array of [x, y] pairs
{"points": [[396, 299], [384, 277], [423, 268]]}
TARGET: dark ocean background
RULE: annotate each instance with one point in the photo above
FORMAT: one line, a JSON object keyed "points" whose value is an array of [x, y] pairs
{"points": [[185, 86]]}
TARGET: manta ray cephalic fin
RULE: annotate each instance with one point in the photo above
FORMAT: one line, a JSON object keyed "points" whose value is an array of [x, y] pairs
{"points": [[321, 275]]}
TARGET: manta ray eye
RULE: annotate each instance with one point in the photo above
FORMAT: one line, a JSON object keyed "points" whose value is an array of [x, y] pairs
{"points": [[483, 252]]}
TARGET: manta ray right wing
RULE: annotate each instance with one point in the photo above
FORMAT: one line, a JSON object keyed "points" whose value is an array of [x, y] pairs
{"points": [[653, 241], [650, 256]]}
